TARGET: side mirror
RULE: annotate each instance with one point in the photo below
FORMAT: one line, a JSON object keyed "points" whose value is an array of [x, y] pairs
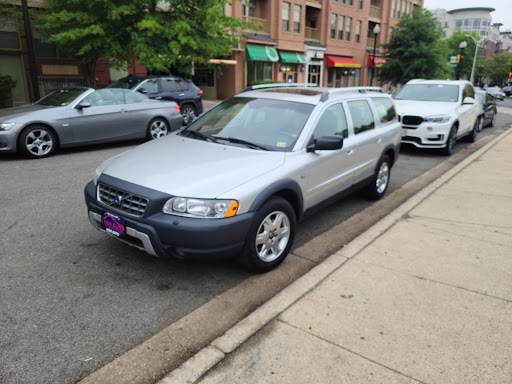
{"points": [[143, 90], [468, 100], [326, 143], [83, 104]]}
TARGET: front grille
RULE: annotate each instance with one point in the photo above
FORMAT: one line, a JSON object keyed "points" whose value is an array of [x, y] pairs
{"points": [[412, 120], [122, 201]]}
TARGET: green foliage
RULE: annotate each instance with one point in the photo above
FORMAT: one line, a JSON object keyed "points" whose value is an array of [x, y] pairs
{"points": [[453, 43], [7, 83], [160, 34], [415, 50], [498, 68]]}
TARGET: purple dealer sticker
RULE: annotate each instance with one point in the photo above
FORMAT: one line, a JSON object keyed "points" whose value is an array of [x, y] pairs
{"points": [[113, 224]]}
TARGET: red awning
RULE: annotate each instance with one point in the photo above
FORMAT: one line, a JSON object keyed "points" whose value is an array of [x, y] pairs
{"points": [[378, 61], [347, 62]]}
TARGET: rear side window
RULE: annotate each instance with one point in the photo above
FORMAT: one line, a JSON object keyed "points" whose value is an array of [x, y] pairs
{"points": [[385, 109], [332, 122], [181, 85], [169, 85], [150, 85], [362, 115]]}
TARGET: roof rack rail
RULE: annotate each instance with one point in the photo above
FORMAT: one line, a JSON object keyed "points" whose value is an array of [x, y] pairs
{"points": [[278, 85], [325, 95]]}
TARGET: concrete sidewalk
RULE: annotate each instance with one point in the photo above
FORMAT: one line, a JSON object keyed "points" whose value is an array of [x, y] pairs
{"points": [[424, 296]]}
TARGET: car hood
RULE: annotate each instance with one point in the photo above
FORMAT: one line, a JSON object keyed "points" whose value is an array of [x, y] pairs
{"points": [[11, 114], [424, 108], [187, 167]]}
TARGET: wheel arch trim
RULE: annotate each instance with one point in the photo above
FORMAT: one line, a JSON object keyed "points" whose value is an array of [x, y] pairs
{"points": [[288, 189]]}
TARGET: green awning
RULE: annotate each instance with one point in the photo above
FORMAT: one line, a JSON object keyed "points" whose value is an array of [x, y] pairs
{"points": [[292, 57], [258, 52]]}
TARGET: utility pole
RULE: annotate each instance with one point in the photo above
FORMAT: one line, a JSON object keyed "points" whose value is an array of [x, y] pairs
{"points": [[31, 54]]}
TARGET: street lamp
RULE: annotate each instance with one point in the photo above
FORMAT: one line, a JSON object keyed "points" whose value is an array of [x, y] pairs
{"points": [[462, 46], [376, 31], [472, 79]]}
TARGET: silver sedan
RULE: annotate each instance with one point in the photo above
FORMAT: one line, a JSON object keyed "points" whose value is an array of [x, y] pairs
{"points": [[80, 116]]}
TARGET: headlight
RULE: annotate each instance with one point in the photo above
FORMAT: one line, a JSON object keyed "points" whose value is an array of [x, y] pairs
{"points": [[201, 208], [6, 126], [437, 119], [97, 174]]}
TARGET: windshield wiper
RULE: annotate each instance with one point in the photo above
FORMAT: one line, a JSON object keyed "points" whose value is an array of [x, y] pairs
{"points": [[240, 141], [200, 135]]}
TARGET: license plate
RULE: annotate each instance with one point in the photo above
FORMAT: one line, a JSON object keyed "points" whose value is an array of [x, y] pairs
{"points": [[114, 224]]}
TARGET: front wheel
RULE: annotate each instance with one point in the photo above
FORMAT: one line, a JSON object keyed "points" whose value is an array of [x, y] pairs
{"points": [[157, 128], [450, 142], [188, 112], [37, 142], [270, 236], [380, 180], [474, 132]]}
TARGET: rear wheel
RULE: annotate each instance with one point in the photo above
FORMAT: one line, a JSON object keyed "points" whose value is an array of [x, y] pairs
{"points": [[157, 128], [37, 142], [188, 112], [471, 137], [493, 121], [380, 181], [270, 236]]}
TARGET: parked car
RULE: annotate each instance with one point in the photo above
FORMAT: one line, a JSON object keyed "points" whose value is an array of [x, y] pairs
{"points": [[436, 113], [495, 92], [79, 116], [489, 109], [183, 92], [249, 169], [507, 90]]}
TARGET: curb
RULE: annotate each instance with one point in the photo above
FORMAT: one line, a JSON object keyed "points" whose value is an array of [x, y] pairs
{"points": [[194, 368]]}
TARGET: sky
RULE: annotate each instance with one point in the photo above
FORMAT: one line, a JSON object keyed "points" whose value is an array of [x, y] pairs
{"points": [[500, 15]]}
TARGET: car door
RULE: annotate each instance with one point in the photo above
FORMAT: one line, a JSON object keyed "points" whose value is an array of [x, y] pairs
{"points": [[102, 120], [172, 90], [330, 172], [369, 142]]}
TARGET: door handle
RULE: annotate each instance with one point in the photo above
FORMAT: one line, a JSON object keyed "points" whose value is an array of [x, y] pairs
{"points": [[158, 98], [181, 94], [379, 140], [350, 152]]}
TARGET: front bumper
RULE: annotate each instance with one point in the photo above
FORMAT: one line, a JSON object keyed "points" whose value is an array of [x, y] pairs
{"points": [[8, 140], [426, 135], [164, 235]]}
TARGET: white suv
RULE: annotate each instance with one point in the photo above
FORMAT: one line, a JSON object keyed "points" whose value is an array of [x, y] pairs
{"points": [[436, 113], [236, 180]]}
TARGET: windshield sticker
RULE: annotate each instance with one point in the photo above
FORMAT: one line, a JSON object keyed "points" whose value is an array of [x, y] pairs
{"points": [[281, 144]]}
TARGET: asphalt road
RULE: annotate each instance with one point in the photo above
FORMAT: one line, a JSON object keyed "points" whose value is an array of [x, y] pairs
{"points": [[73, 299]]}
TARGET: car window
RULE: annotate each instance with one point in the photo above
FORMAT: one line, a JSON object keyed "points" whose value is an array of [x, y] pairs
{"points": [[169, 85], [61, 97], [470, 92], [332, 122], [428, 92], [101, 97], [362, 115], [274, 124], [181, 85], [151, 85], [135, 97], [385, 109]]}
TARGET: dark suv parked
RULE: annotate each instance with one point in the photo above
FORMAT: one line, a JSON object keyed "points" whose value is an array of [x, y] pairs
{"points": [[184, 92]]}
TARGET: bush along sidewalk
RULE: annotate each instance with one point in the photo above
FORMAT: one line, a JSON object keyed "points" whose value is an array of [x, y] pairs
{"points": [[7, 83]]}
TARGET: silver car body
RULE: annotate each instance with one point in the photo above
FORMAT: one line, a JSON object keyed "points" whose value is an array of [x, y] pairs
{"points": [[76, 126]]}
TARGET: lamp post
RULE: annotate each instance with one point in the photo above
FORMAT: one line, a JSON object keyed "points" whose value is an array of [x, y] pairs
{"points": [[462, 46], [472, 79], [376, 31]]}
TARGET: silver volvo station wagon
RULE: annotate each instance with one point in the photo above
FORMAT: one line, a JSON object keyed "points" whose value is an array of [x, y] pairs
{"points": [[238, 179]]}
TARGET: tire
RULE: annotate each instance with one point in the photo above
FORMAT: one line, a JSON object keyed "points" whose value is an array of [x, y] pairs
{"points": [[471, 137], [380, 181], [157, 128], [493, 121], [188, 112], [37, 142], [450, 142], [270, 236]]}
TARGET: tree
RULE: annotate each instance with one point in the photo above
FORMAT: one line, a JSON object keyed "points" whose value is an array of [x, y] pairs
{"points": [[498, 68], [453, 43], [160, 34], [415, 50]]}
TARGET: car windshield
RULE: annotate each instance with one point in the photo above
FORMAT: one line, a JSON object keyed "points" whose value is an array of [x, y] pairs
{"points": [[61, 97], [125, 82], [429, 92], [256, 123]]}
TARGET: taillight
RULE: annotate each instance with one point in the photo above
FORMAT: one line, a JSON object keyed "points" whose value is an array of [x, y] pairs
{"points": [[200, 92], [177, 107]]}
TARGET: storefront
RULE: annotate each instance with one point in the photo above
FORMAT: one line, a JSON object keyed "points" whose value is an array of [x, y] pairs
{"points": [[378, 63], [314, 64], [260, 63], [342, 72], [291, 64]]}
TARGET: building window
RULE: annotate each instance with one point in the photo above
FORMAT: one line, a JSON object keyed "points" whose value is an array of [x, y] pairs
{"points": [[358, 31], [348, 26], [350, 2], [333, 26], [360, 5], [258, 72], [286, 17], [9, 38], [341, 22], [343, 1], [204, 77], [296, 18], [248, 9]]}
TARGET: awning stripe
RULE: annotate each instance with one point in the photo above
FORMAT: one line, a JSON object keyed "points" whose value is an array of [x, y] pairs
{"points": [[256, 52], [346, 62]]}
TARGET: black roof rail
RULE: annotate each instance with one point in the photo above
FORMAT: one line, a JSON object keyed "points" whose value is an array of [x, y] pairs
{"points": [[278, 85]]}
